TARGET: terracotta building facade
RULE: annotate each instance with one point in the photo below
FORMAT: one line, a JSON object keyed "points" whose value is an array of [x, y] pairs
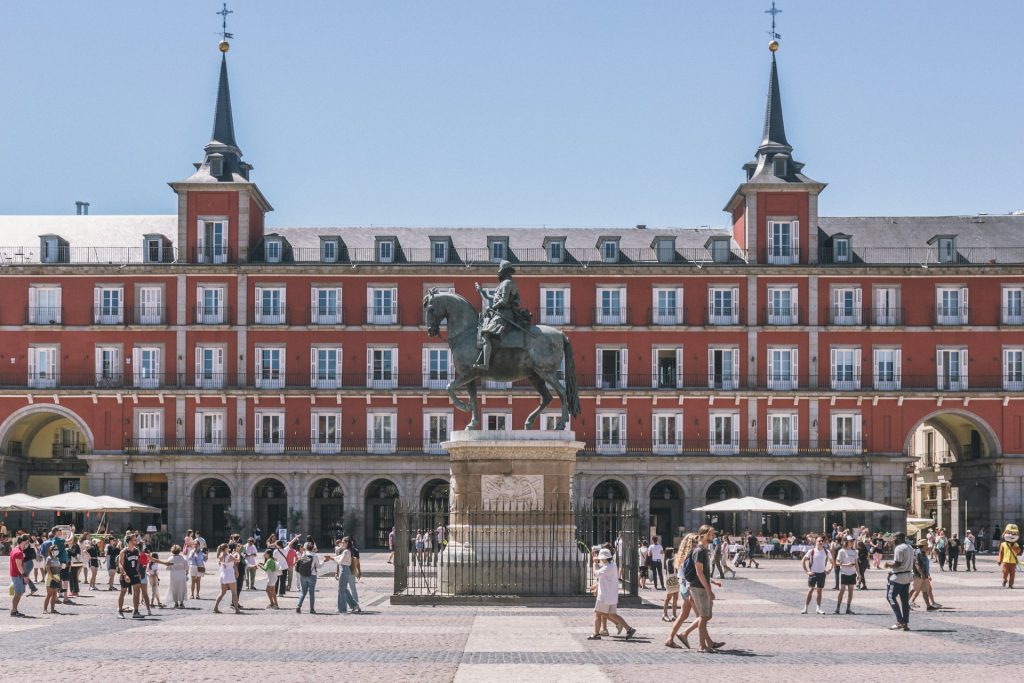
{"points": [[233, 374]]}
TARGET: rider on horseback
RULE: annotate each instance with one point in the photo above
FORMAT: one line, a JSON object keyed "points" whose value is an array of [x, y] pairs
{"points": [[503, 310]]}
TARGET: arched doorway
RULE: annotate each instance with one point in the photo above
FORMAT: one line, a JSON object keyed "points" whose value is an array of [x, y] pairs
{"points": [[953, 474], [270, 507], [434, 501], [381, 498], [785, 492], [610, 497], [666, 511], [723, 489], [326, 512], [211, 501]]}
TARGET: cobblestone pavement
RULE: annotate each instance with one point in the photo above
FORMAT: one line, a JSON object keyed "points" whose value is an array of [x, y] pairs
{"points": [[757, 614]]}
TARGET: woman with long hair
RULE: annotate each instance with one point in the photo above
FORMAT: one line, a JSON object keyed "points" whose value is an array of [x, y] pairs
{"points": [[196, 569], [685, 550], [229, 560]]}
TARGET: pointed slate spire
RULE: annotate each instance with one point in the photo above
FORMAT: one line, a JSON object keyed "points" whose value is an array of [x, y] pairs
{"points": [[774, 138], [223, 123]]}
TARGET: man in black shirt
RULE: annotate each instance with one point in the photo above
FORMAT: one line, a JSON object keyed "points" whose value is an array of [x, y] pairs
{"points": [[697, 573], [131, 577]]}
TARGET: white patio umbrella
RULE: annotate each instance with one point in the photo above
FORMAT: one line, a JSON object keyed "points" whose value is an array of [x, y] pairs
{"points": [[19, 502], [844, 504], [76, 502], [916, 524], [126, 505], [745, 504]]}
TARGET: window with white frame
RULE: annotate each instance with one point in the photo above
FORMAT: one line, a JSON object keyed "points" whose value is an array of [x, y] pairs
{"points": [[667, 367], [887, 372], [725, 433], [782, 433], [153, 247], [382, 367], [667, 306], [437, 426], [329, 251], [269, 367], [723, 368], [325, 431], [42, 366], [1013, 305], [210, 436], [721, 250], [783, 242], [782, 306], [841, 250], [497, 421], [149, 306], [556, 251], [437, 362], [382, 305], [782, 368], [146, 366], [109, 369], [665, 248], [273, 250], [439, 251], [108, 305], [610, 251], [951, 369], [209, 367], [270, 305], [325, 367], [612, 368], [44, 307], [149, 430], [947, 250], [951, 305], [498, 248], [846, 433], [210, 305], [212, 241], [1013, 369], [269, 431], [325, 306], [380, 432], [845, 367], [723, 305], [886, 305], [549, 422], [667, 432], [385, 251], [846, 305], [611, 432], [611, 305], [554, 305]]}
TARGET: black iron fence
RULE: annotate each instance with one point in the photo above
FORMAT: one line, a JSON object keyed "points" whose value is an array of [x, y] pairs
{"points": [[509, 551]]}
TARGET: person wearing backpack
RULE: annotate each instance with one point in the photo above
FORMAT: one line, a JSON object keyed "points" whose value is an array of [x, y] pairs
{"points": [[683, 562], [816, 563], [307, 567], [697, 570]]}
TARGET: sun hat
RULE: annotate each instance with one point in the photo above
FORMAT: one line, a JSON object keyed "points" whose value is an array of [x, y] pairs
{"points": [[605, 554]]}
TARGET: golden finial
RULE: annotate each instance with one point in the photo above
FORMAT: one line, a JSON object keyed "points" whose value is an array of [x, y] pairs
{"points": [[224, 45], [773, 46]]}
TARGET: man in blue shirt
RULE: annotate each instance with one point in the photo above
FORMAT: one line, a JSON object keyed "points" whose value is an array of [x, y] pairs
{"points": [[65, 563]]}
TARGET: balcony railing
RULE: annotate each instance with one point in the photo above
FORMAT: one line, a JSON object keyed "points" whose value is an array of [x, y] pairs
{"points": [[886, 316], [659, 315], [782, 315], [951, 315], [555, 316], [781, 255], [327, 316], [845, 315], [723, 315], [701, 448], [382, 315], [287, 445], [211, 315], [72, 255], [1012, 315], [269, 316], [214, 255], [606, 315], [44, 315]]}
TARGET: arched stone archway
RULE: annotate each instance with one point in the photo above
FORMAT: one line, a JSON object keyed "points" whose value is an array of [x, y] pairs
{"points": [[666, 510], [379, 505], [782, 491], [610, 491], [719, 490], [326, 511], [34, 418], [270, 507], [211, 500]]}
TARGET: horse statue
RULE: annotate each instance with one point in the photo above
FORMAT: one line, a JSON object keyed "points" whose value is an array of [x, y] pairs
{"points": [[537, 359]]}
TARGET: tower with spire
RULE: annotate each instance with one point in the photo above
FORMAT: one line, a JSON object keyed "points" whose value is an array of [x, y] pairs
{"points": [[220, 210], [775, 211]]}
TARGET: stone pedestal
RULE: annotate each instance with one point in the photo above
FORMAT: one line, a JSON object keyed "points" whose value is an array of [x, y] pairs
{"points": [[512, 526]]}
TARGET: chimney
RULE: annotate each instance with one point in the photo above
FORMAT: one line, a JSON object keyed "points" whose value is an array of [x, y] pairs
{"points": [[82, 208], [641, 227]]}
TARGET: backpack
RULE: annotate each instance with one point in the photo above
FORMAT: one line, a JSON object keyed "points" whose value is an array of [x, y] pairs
{"points": [[304, 566], [690, 570]]}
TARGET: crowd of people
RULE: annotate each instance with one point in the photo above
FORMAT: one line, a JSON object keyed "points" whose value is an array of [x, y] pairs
{"points": [[57, 564]]}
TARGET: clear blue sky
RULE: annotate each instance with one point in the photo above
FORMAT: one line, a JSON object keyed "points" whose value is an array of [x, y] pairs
{"points": [[532, 112]]}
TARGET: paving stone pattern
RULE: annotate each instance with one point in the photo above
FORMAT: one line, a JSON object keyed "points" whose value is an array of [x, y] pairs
{"points": [[757, 614]]}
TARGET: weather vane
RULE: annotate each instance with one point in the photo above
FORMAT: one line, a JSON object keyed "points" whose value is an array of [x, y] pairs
{"points": [[224, 35], [774, 44]]}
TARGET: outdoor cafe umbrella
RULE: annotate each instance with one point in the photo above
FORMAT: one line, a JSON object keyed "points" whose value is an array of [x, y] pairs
{"points": [[745, 504], [842, 504], [126, 505], [19, 502], [78, 502], [916, 524]]}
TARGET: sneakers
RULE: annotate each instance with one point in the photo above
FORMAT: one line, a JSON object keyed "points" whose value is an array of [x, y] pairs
{"points": [[630, 632], [849, 611], [137, 615], [804, 610], [932, 608], [820, 611]]}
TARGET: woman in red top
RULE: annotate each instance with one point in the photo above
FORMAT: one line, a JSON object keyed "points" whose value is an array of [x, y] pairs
{"points": [[144, 571]]}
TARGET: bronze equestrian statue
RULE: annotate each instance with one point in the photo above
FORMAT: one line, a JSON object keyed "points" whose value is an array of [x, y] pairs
{"points": [[502, 346]]}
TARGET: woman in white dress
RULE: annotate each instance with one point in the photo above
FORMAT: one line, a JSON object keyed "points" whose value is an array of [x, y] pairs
{"points": [[229, 560], [178, 571]]}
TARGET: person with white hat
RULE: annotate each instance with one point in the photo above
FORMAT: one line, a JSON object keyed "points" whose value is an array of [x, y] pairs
{"points": [[606, 588]]}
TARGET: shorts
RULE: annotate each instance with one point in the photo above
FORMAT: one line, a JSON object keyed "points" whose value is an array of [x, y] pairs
{"points": [[65, 572], [847, 579], [133, 581], [94, 563], [702, 601], [605, 608], [54, 584], [816, 580], [920, 583], [143, 580], [19, 584]]}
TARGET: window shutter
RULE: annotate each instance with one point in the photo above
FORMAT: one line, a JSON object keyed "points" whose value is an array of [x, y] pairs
{"points": [[259, 305], [655, 436], [875, 367], [711, 368], [794, 430], [599, 360], [283, 310], [654, 304], [394, 302], [736, 367], [856, 368], [963, 369], [771, 431], [735, 302], [258, 428], [771, 237], [622, 430], [314, 301], [426, 365], [795, 232], [794, 304], [939, 369], [600, 429], [858, 438], [833, 369], [712, 428], [623, 368], [655, 377], [312, 365], [201, 240], [679, 432], [32, 370], [794, 368], [258, 353], [1005, 305], [199, 366], [136, 370], [369, 367], [735, 430], [98, 362], [897, 369], [678, 313], [711, 302], [962, 313], [284, 357], [858, 305], [567, 311], [97, 304], [679, 368], [218, 361], [314, 427], [199, 429]]}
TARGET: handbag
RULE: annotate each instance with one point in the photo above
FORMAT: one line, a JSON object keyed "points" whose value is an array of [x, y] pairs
{"points": [[672, 584], [200, 569]]}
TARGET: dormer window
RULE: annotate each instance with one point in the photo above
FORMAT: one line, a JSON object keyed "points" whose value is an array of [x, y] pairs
{"points": [[556, 251], [719, 249], [216, 165], [386, 251], [609, 250], [665, 248], [947, 250], [273, 251], [779, 166], [153, 249], [841, 250], [439, 250], [497, 248], [53, 249], [329, 250]]}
